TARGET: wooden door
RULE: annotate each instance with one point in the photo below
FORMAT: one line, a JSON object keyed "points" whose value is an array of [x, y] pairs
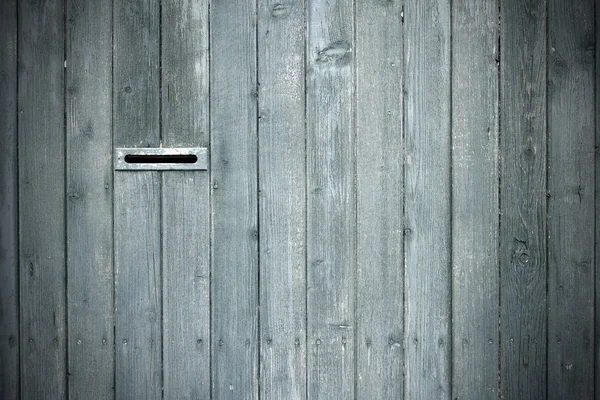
{"points": [[400, 199]]}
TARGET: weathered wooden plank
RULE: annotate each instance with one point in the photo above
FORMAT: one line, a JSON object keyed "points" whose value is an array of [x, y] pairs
{"points": [[475, 208], [597, 205], [427, 201], [186, 316], [90, 199], [137, 203], [523, 199], [380, 198], [42, 200], [136, 73], [185, 203], [571, 187], [282, 157], [331, 203], [9, 229], [234, 262], [138, 327]]}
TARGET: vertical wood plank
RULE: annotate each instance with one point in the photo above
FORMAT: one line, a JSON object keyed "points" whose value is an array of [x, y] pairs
{"points": [[185, 203], [475, 208], [523, 199], [138, 289], [597, 205], [9, 229], [331, 208], [136, 37], [234, 269], [282, 158], [137, 285], [571, 140], [380, 198], [89, 203], [42, 200], [427, 201]]}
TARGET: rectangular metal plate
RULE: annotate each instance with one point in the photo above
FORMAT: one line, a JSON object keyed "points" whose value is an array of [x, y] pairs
{"points": [[161, 159]]}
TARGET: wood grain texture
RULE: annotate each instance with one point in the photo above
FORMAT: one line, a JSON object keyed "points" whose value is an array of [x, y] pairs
{"points": [[571, 182], [136, 73], [137, 202], [42, 200], [331, 208], [427, 203], [234, 263], [475, 208], [9, 228], [597, 205], [282, 157], [399, 200], [89, 200], [380, 198], [523, 266], [138, 320], [185, 203]]}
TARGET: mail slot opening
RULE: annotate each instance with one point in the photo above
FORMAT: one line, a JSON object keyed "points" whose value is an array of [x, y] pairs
{"points": [[161, 158]]}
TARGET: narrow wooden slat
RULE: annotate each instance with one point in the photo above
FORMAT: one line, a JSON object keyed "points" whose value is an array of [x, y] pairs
{"points": [[137, 285], [185, 203], [331, 208], [136, 73], [571, 138], [380, 185], [523, 199], [475, 279], [186, 315], [137, 202], [42, 200], [427, 201], [9, 230], [597, 205], [282, 199], [89, 205], [234, 263]]}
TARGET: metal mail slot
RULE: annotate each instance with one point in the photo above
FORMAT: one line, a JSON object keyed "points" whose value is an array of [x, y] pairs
{"points": [[161, 159]]}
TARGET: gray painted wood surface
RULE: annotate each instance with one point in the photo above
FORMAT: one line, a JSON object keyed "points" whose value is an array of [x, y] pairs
{"points": [[400, 200], [89, 200], [234, 200], [9, 224], [571, 141], [475, 206], [597, 206], [331, 197], [138, 294], [185, 203], [523, 141], [137, 202], [427, 204], [41, 141], [282, 212], [379, 198]]}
